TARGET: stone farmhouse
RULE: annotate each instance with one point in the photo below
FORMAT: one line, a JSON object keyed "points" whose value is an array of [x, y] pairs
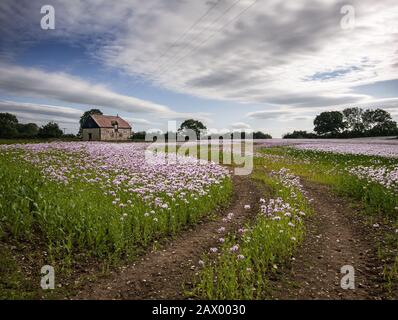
{"points": [[106, 128]]}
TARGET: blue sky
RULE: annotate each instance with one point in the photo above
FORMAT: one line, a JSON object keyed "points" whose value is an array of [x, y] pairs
{"points": [[261, 65]]}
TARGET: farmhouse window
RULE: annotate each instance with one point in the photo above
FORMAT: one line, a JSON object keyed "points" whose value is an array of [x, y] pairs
{"points": [[115, 126]]}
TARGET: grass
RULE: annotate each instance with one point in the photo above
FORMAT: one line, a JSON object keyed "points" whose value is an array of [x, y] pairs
{"points": [[331, 169], [13, 284]]}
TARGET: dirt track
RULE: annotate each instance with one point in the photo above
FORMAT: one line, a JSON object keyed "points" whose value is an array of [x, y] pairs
{"points": [[162, 274], [335, 237]]}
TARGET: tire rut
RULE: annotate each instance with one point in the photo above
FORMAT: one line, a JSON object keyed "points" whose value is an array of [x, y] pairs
{"points": [[163, 274], [336, 236]]}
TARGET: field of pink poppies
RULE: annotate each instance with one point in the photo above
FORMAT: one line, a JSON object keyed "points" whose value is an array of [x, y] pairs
{"points": [[80, 202], [102, 199], [242, 265]]}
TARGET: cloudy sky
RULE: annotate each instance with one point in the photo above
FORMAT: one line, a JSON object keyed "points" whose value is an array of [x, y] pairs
{"points": [[267, 65]]}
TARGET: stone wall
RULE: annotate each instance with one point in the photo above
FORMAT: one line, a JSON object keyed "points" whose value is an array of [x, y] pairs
{"points": [[109, 134], [95, 134]]}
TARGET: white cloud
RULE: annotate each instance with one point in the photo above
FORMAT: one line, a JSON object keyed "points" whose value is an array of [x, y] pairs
{"points": [[275, 48], [268, 114], [277, 53], [309, 113], [240, 125], [290, 57], [66, 117], [40, 109], [33, 82], [67, 88], [137, 120]]}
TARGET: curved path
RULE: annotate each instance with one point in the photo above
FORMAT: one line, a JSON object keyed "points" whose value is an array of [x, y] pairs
{"points": [[167, 272], [336, 236]]}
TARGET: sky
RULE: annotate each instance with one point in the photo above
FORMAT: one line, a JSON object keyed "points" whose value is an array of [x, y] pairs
{"points": [[268, 65]]}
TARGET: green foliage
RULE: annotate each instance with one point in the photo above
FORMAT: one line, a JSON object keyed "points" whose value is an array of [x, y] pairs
{"points": [[300, 135], [11, 129], [69, 222], [266, 245], [86, 115], [329, 122], [138, 136], [261, 135], [50, 130], [350, 123], [194, 125], [377, 117], [8, 125], [29, 130], [13, 283], [332, 169], [353, 118]]}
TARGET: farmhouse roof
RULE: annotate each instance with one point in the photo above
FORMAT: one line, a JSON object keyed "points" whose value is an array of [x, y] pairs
{"points": [[104, 121]]}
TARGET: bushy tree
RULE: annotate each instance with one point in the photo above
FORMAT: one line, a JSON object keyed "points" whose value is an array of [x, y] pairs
{"points": [[140, 135], [8, 125], [192, 124], [378, 122], [353, 119], [298, 134], [330, 122], [261, 135], [86, 115], [50, 130], [377, 117], [29, 130]]}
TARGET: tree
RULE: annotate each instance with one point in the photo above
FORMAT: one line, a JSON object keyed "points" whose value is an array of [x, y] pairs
{"points": [[329, 122], [29, 130], [86, 115], [297, 134], [353, 119], [261, 135], [388, 128], [140, 135], [376, 117], [194, 125], [50, 130], [8, 125], [379, 122]]}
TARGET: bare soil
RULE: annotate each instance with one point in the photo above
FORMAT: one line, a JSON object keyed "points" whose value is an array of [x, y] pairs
{"points": [[168, 272], [336, 235]]}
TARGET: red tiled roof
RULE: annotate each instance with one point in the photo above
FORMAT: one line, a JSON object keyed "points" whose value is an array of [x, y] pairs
{"points": [[107, 121]]}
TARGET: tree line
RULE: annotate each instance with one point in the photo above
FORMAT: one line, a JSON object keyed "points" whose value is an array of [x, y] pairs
{"points": [[10, 128], [197, 126], [350, 123]]}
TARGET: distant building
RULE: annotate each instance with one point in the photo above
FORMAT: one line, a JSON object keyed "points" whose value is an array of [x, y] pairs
{"points": [[105, 128]]}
